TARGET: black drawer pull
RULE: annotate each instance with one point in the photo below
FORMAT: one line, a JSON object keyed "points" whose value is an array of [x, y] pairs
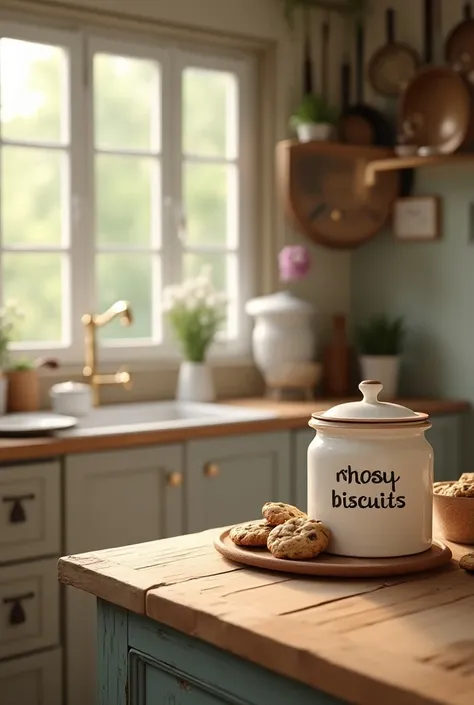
{"points": [[17, 613], [17, 512]]}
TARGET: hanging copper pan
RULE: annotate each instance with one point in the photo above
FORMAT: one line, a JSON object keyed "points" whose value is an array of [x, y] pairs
{"points": [[394, 64], [459, 48], [435, 110]]}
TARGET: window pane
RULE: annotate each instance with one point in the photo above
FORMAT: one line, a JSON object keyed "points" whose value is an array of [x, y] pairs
{"points": [[126, 103], [36, 283], [127, 193], [129, 277], [209, 112], [33, 86], [210, 203], [31, 184]]}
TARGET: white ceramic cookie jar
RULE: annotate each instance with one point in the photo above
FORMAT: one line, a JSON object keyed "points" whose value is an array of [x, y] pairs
{"points": [[370, 477]]}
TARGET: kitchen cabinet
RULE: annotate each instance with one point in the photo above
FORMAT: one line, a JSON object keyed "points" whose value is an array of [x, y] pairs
{"points": [[32, 680], [301, 441], [445, 438], [229, 479], [111, 499]]}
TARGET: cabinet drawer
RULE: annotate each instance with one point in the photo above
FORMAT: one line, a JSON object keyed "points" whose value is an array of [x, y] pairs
{"points": [[32, 680], [29, 607], [29, 511]]}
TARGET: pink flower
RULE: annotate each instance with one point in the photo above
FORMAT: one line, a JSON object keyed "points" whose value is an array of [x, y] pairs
{"points": [[294, 262]]}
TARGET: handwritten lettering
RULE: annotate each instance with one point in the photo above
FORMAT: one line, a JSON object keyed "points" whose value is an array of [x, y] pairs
{"points": [[384, 500]]}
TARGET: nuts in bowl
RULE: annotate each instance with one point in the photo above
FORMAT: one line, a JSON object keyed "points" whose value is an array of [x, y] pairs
{"points": [[453, 508]]}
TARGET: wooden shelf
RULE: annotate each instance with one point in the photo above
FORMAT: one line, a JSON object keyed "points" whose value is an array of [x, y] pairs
{"points": [[372, 168]]}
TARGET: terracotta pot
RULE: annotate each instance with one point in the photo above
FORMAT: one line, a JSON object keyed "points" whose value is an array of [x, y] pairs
{"points": [[23, 390]]}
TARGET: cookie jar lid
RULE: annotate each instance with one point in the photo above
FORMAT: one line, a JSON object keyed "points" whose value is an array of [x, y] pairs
{"points": [[370, 409], [69, 388]]}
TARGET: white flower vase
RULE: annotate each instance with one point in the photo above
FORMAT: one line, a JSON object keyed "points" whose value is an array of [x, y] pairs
{"points": [[283, 338], [3, 394], [195, 382], [383, 368]]}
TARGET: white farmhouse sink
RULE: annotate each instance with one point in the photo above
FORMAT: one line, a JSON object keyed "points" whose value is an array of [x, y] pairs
{"points": [[150, 416]]}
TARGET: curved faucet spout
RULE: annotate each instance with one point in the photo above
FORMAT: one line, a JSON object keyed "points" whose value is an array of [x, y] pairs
{"points": [[118, 309]]}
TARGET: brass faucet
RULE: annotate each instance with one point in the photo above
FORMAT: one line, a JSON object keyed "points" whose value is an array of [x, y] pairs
{"points": [[91, 322]]}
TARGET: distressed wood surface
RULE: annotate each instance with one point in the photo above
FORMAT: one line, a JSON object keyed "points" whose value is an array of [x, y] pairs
{"points": [[406, 639], [288, 415]]}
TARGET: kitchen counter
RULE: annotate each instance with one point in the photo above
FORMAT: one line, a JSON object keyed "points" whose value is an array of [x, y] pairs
{"points": [[288, 415], [174, 617]]}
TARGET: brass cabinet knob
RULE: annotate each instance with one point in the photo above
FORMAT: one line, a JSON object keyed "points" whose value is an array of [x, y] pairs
{"points": [[174, 479], [211, 470]]}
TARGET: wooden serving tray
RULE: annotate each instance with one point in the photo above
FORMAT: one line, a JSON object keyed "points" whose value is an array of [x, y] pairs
{"points": [[335, 566]]}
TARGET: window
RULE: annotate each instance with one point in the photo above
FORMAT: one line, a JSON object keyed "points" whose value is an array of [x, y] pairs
{"points": [[124, 168]]}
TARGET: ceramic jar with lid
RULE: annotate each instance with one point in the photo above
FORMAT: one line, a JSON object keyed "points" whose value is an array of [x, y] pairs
{"points": [[370, 477]]}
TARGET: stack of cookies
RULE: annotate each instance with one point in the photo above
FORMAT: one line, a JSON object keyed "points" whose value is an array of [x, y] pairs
{"points": [[286, 531]]}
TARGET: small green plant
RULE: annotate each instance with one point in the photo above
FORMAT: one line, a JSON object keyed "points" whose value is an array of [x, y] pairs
{"points": [[22, 365], [381, 336], [10, 317], [314, 109]]}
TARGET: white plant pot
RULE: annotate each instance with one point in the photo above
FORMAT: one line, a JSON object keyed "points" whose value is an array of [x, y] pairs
{"points": [[385, 369], [195, 382], [3, 394], [314, 132], [283, 336]]}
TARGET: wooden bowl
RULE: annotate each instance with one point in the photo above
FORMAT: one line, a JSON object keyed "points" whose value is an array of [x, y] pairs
{"points": [[454, 517], [436, 105]]}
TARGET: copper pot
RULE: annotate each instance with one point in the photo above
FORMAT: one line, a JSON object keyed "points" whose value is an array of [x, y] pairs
{"points": [[435, 110]]}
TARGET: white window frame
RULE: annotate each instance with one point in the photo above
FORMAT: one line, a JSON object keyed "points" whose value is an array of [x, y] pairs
{"points": [[172, 58]]}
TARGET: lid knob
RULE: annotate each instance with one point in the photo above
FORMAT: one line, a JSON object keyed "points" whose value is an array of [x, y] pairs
{"points": [[370, 390]]}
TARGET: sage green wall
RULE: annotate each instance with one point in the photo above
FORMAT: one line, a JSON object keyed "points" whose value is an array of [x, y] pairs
{"points": [[432, 286]]}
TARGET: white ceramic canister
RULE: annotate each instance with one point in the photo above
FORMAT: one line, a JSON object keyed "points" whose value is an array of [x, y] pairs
{"points": [[71, 398], [370, 477], [283, 336]]}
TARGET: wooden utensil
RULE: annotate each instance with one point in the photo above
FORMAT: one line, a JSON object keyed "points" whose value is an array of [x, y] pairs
{"points": [[459, 47], [307, 62], [394, 64], [361, 124], [428, 31], [341, 566], [325, 29], [436, 110]]}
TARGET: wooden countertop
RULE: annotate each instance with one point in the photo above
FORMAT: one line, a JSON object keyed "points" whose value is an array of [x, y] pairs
{"points": [[288, 415], [404, 640]]}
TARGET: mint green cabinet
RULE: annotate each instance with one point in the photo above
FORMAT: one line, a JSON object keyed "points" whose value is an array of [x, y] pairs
{"points": [[142, 662], [445, 436], [229, 479]]}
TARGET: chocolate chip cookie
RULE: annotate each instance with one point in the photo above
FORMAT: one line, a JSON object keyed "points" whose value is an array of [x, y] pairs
{"points": [[278, 512], [253, 533], [467, 562], [298, 539]]}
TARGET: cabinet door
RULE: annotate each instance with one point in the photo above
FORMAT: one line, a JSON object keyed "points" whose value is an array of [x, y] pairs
{"points": [[229, 479], [32, 680], [445, 437], [113, 499], [301, 441]]}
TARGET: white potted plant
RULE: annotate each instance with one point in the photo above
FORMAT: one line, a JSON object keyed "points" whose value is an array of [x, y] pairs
{"points": [[9, 318], [380, 345], [314, 119], [195, 311]]}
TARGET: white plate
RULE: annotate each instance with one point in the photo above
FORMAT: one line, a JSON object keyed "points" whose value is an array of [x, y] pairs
{"points": [[34, 424]]}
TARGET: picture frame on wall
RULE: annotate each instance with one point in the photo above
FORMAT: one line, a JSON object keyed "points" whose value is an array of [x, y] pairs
{"points": [[417, 218]]}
